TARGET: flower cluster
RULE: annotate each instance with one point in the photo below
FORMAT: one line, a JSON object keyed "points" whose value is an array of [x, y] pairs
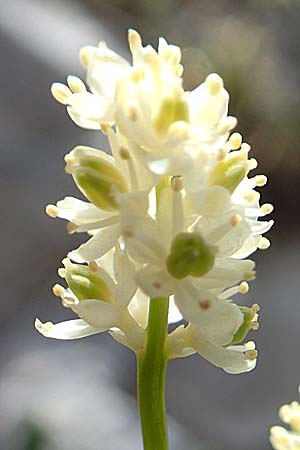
{"points": [[282, 439], [173, 212]]}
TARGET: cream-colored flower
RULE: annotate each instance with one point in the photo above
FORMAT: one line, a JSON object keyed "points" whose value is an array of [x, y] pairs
{"points": [[282, 439]]}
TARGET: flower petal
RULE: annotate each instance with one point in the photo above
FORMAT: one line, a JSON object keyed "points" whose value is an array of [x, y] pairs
{"points": [[97, 246], [98, 314], [71, 329]]}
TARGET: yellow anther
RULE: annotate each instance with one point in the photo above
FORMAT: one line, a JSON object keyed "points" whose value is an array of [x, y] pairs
{"points": [[85, 56], [71, 227], [75, 84], [105, 127], [251, 355], [228, 124], [261, 180], [179, 70], [244, 287], [69, 158], [58, 290], [177, 183], [68, 302], [250, 196], [124, 153], [62, 272], [235, 141], [61, 93], [102, 44], [264, 243], [178, 130], [137, 74], [235, 220], [266, 209], [214, 83], [52, 211], [128, 232], [93, 266]]}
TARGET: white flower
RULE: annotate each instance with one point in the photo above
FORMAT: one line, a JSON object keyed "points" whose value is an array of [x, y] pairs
{"points": [[282, 439], [102, 216]]}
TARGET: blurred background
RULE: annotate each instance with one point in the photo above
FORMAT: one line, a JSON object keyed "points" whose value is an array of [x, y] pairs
{"points": [[81, 395]]}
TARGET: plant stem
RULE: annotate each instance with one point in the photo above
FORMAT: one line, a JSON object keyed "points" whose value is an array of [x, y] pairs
{"points": [[152, 364]]}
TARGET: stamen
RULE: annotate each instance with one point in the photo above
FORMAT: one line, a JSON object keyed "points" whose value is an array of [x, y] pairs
{"points": [[204, 304], [52, 211], [221, 154], [244, 287], [214, 83], [235, 220], [128, 231], [251, 354], [261, 180], [124, 153], [245, 147], [132, 112], [266, 209], [58, 290], [264, 243], [93, 266], [62, 272], [71, 228], [102, 44], [228, 124], [85, 56], [235, 141], [177, 183], [68, 302], [105, 127], [137, 74]]}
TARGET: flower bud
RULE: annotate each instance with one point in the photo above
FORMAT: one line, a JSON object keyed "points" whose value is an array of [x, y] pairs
{"points": [[250, 323], [230, 171], [85, 283], [190, 255], [98, 179], [171, 110]]}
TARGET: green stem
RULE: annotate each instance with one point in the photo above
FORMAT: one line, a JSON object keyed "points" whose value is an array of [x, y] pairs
{"points": [[152, 364]]}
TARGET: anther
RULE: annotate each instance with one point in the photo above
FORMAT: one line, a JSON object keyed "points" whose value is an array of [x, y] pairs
{"points": [[214, 83], [266, 209], [58, 290], [71, 227], [62, 272], [251, 354], [52, 211], [85, 56], [261, 180], [69, 159], [244, 287], [264, 243], [137, 75], [93, 266], [68, 302], [105, 127], [128, 231], [177, 183], [156, 285], [124, 153], [235, 220], [221, 154], [235, 141], [204, 304]]}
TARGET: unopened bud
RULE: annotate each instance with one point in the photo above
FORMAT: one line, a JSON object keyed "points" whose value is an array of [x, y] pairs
{"points": [[85, 283], [250, 323], [230, 171], [171, 110], [98, 179], [190, 255]]}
